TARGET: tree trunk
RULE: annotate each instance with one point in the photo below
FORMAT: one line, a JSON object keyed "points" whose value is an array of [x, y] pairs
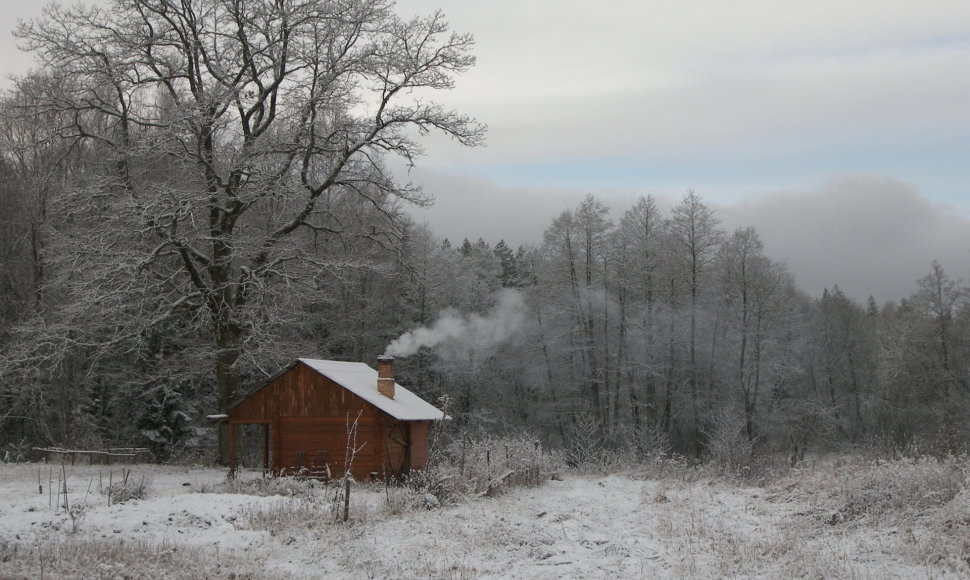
{"points": [[666, 414], [694, 404]]}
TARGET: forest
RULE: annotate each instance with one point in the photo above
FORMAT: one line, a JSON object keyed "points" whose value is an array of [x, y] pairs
{"points": [[198, 193]]}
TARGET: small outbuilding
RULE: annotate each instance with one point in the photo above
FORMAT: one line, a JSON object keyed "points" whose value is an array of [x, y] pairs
{"points": [[316, 411]]}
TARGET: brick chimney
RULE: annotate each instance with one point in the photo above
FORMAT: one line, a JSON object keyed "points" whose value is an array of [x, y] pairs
{"points": [[385, 375]]}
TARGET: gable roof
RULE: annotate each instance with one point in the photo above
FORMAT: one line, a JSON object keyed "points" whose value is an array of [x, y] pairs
{"points": [[360, 379]]}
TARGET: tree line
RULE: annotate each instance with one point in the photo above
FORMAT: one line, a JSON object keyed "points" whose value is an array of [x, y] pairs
{"points": [[663, 326], [198, 193]]}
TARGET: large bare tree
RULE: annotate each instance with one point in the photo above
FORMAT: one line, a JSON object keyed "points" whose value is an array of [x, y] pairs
{"points": [[757, 295], [231, 132], [638, 239], [696, 238]]}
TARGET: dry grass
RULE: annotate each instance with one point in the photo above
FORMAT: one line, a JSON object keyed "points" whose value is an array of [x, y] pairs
{"points": [[910, 512], [908, 518], [130, 559], [268, 486], [879, 490]]}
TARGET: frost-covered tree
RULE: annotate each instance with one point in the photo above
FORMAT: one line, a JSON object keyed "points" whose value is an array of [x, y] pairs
{"points": [[695, 239], [758, 297], [513, 275], [575, 249], [842, 350], [639, 240], [231, 137], [940, 298]]}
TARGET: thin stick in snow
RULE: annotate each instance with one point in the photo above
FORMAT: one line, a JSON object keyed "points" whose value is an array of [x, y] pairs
{"points": [[85, 502], [67, 506], [346, 498]]}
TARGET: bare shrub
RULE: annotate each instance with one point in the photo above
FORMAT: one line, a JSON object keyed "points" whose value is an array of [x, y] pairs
{"points": [[413, 495], [283, 515], [585, 445], [486, 466], [766, 467], [295, 487], [940, 443], [644, 453], [128, 488], [15, 452], [676, 467], [588, 448], [728, 446], [76, 512], [653, 444], [431, 488]]}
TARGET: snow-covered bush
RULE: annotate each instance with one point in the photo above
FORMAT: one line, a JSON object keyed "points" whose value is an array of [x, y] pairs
{"points": [[15, 452], [128, 489], [675, 467], [652, 444], [485, 466], [585, 446], [297, 487], [588, 449], [165, 424], [947, 544], [902, 487], [415, 494], [728, 446]]}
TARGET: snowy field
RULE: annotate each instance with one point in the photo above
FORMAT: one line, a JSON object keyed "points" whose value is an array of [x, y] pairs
{"points": [[906, 519]]}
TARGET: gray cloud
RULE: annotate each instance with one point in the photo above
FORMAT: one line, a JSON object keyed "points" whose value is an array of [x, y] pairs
{"points": [[869, 235], [648, 78], [474, 208], [15, 62]]}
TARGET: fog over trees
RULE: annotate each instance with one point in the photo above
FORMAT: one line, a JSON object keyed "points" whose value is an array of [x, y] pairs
{"points": [[196, 194]]}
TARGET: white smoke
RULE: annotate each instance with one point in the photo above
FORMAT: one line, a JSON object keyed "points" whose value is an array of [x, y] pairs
{"points": [[470, 332]]}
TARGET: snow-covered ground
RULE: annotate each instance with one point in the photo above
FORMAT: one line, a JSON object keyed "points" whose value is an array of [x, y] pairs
{"points": [[582, 526]]}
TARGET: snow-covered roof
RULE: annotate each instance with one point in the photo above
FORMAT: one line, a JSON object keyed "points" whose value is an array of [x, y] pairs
{"points": [[361, 380]]}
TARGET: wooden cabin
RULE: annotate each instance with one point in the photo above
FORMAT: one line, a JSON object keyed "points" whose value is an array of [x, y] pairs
{"points": [[308, 414]]}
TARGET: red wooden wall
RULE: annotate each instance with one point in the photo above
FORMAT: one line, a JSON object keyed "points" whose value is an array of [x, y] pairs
{"points": [[309, 414]]}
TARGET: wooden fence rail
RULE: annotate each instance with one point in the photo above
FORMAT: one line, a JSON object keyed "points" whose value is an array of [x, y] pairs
{"points": [[101, 456]]}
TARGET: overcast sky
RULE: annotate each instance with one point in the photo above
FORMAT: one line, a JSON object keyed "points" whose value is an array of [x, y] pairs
{"points": [[840, 129]]}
